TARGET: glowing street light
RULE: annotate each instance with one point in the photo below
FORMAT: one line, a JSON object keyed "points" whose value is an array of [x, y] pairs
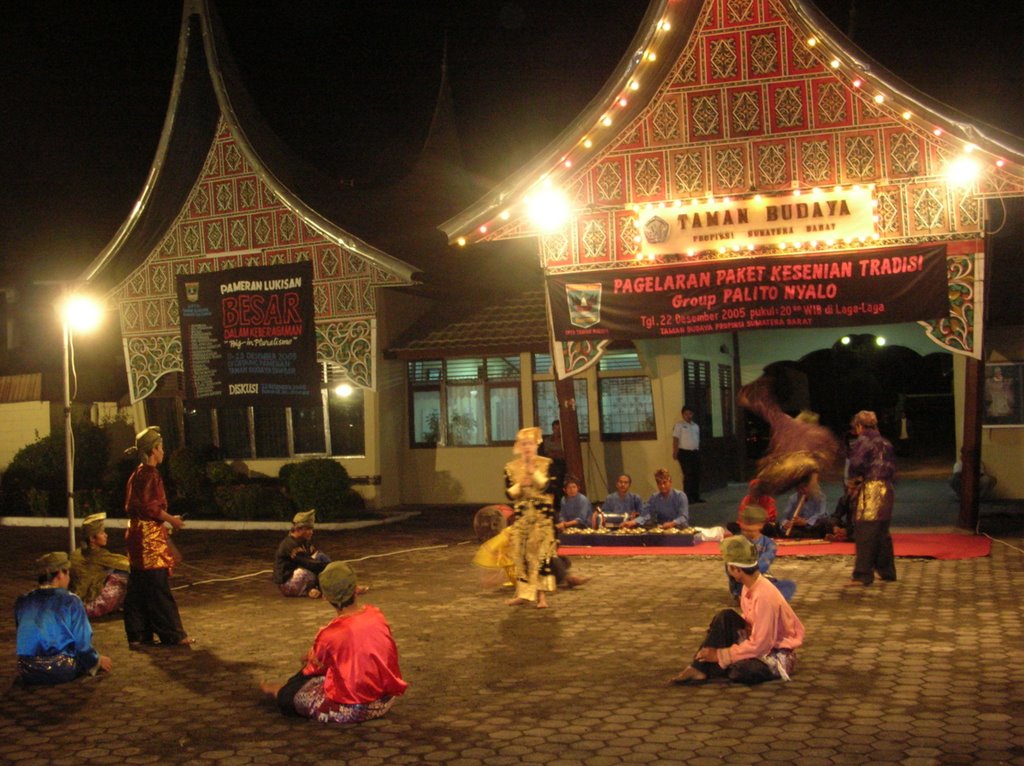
{"points": [[548, 208], [83, 314]]}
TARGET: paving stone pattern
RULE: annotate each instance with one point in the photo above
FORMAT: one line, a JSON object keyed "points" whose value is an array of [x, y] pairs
{"points": [[927, 670]]}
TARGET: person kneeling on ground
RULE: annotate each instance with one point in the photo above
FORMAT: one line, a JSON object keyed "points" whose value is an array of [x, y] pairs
{"points": [[297, 562], [351, 672], [752, 522], [98, 576], [54, 637], [759, 645], [806, 514]]}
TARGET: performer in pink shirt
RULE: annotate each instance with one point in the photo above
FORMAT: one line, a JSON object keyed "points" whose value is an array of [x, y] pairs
{"points": [[758, 646]]}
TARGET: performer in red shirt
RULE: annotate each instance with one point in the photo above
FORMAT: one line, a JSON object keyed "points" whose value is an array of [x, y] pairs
{"points": [[351, 673]]}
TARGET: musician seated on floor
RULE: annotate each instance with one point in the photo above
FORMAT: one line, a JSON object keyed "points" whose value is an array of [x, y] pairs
{"points": [[621, 505], [576, 509], [667, 508], [806, 515]]}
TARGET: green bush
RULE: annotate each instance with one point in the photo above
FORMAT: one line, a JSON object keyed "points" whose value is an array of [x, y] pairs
{"points": [[254, 502], [325, 485], [40, 468]]}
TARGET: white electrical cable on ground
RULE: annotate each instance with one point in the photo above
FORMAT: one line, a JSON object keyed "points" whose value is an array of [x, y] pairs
{"points": [[346, 561]]}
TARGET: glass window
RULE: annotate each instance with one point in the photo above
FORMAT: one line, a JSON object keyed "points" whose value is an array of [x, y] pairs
{"points": [[233, 432], [615, 360], [546, 405], [348, 422], [627, 408], [308, 432], [504, 412], [198, 427], [464, 402], [466, 425], [426, 417]]}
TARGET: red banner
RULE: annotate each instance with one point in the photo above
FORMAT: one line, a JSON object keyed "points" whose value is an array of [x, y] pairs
{"points": [[867, 287]]}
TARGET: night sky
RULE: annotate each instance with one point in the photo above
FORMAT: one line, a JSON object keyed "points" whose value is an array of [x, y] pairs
{"points": [[350, 86]]}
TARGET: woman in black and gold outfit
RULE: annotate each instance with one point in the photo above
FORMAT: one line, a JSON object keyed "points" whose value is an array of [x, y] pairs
{"points": [[528, 484]]}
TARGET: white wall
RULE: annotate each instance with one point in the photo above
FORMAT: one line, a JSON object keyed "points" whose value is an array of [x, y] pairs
{"points": [[21, 423]]}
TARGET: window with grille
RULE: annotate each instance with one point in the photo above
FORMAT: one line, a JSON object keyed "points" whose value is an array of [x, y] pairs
{"points": [[545, 400], [626, 403]]}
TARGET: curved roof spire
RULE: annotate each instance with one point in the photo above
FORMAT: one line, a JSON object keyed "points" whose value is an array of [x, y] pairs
{"points": [[207, 88]]}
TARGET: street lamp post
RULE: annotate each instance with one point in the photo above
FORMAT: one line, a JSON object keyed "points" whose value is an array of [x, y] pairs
{"points": [[81, 313]]}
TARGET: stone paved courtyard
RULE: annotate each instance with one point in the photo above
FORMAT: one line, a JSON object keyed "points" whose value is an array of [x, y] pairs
{"points": [[927, 670]]}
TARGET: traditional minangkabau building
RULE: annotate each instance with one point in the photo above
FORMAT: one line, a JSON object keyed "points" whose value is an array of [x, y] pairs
{"points": [[223, 193], [723, 106]]}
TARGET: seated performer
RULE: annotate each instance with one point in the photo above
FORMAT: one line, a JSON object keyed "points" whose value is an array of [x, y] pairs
{"points": [[806, 516], [840, 523], [759, 645], [666, 508], [752, 522], [298, 562], [621, 505], [352, 672], [576, 509], [756, 496], [54, 637], [98, 576]]}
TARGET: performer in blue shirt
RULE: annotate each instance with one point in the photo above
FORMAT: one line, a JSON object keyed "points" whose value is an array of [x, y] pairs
{"points": [[621, 505], [667, 507], [576, 508], [806, 515], [54, 637]]}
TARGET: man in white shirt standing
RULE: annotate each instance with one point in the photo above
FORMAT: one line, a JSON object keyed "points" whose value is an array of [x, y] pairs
{"points": [[686, 449]]}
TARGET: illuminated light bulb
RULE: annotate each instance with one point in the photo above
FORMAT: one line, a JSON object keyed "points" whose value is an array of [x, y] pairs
{"points": [[968, 148], [636, 238], [812, 41], [721, 251], [857, 83], [634, 85], [652, 56], [587, 143], [623, 102], [726, 200], [879, 98], [607, 121], [691, 252], [875, 236], [815, 190], [504, 215], [567, 163], [838, 189], [750, 247], [548, 209], [907, 115], [649, 206], [845, 340], [666, 25], [814, 243], [783, 245], [678, 203], [797, 192], [855, 188], [483, 229], [758, 199], [861, 240], [937, 132], [876, 218], [874, 203], [82, 313], [344, 390], [461, 241], [693, 201], [847, 240], [880, 341], [834, 63], [830, 242], [962, 171], [1000, 163], [711, 200]]}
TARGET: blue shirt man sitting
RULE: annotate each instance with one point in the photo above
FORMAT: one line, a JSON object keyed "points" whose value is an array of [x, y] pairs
{"points": [[667, 508]]}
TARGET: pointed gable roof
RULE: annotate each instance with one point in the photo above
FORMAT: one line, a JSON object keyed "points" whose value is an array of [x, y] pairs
{"points": [[671, 43], [207, 88]]}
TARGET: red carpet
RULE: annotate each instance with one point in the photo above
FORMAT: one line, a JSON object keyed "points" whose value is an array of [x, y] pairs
{"points": [[907, 545]]}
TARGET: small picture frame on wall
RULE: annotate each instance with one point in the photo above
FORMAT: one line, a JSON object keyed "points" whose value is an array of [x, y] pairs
{"points": [[1004, 395]]}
